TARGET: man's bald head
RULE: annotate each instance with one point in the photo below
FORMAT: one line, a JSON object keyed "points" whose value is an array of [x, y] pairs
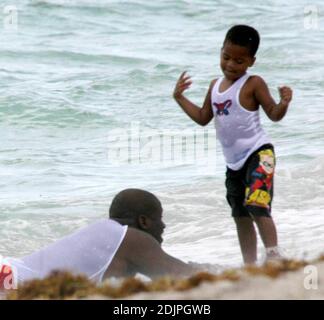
{"points": [[129, 204]]}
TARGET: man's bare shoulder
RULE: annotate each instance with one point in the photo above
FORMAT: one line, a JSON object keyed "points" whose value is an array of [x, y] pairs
{"points": [[125, 261], [135, 234], [136, 241]]}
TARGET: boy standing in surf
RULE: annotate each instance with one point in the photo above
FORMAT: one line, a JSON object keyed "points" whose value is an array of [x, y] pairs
{"points": [[233, 101]]}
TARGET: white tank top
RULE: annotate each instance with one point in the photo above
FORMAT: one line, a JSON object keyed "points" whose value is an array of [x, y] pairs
{"points": [[89, 251], [238, 130]]}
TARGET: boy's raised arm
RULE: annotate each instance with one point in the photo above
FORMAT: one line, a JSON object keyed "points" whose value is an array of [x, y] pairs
{"points": [[275, 111], [202, 115]]}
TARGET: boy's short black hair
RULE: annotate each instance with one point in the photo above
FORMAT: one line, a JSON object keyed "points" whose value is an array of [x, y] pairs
{"points": [[244, 36]]}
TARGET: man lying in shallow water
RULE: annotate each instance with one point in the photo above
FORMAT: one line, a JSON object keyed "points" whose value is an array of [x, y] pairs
{"points": [[127, 243]]}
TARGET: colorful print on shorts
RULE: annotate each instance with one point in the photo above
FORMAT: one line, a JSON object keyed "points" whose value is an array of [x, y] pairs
{"points": [[259, 192]]}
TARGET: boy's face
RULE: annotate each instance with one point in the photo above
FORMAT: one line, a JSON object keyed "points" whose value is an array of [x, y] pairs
{"points": [[235, 60]]}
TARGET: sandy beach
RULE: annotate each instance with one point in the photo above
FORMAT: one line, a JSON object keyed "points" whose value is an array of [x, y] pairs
{"points": [[297, 280], [289, 285]]}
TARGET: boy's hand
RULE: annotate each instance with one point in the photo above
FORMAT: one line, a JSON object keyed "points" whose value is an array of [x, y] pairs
{"points": [[183, 84], [285, 95]]}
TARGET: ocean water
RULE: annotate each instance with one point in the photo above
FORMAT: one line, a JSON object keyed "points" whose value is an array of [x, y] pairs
{"points": [[86, 110]]}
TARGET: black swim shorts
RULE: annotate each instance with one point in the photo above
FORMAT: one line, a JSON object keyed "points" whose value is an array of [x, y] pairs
{"points": [[250, 189]]}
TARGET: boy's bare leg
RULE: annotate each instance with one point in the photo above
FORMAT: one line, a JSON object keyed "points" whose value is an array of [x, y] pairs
{"points": [[268, 233], [247, 238], [267, 230]]}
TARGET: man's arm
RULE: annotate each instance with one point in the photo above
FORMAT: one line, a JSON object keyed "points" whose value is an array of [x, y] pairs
{"points": [[202, 115], [146, 256], [274, 111]]}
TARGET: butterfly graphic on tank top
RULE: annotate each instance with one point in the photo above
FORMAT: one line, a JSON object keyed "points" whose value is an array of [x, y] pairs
{"points": [[222, 108]]}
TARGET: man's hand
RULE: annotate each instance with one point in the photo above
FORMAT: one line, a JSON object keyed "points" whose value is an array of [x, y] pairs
{"points": [[285, 95], [183, 84]]}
